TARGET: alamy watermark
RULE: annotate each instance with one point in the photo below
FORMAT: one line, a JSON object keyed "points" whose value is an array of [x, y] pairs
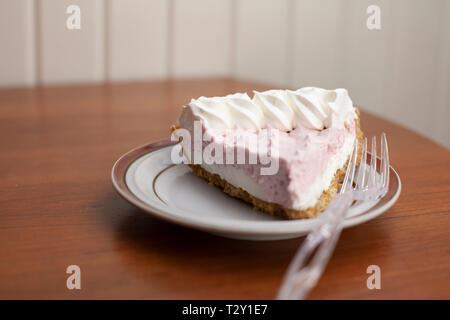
{"points": [[203, 148], [74, 280], [74, 20], [374, 19], [374, 281]]}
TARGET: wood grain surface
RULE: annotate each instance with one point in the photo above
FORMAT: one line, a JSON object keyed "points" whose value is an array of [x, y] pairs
{"points": [[58, 208]]}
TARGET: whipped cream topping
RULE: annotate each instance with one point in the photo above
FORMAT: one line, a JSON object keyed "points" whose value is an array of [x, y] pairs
{"points": [[309, 107]]}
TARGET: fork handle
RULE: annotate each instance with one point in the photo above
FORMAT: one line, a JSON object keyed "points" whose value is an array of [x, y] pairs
{"points": [[303, 273]]}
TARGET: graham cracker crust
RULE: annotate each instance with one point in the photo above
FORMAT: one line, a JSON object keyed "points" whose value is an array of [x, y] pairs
{"points": [[275, 209]]}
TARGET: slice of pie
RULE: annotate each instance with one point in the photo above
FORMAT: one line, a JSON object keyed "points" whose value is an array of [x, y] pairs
{"points": [[282, 151]]}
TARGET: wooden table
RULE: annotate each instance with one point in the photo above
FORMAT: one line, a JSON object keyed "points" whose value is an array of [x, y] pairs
{"points": [[58, 208]]}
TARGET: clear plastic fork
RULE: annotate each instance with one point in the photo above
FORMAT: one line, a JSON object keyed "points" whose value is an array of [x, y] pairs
{"points": [[362, 184]]}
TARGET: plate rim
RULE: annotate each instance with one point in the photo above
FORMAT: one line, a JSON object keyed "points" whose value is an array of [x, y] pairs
{"points": [[118, 178]]}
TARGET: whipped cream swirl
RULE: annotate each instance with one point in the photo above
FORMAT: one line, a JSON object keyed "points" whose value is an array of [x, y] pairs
{"points": [[310, 107]]}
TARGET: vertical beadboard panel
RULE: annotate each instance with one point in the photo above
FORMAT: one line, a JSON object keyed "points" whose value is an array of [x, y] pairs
{"points": [[202, 33], [17, 55], [411, 76], [317, 43], [366, 54], [442, 116], [71, 56], [137, 39], [262, 31]]}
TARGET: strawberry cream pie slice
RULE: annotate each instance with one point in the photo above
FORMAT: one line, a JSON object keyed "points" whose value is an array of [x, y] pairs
{"points": [[282, 151]]}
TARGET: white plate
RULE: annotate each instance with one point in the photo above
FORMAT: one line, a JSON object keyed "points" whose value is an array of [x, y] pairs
{"points": [[146, 178]]}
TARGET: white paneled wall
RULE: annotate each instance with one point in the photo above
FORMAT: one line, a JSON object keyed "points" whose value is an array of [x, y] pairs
{"points": [[137, 46], [366, 54], [412, 67], [401, 72], [262, 41], [70, 55], [317, 43], [441, 130], [202, 37], [17, 48]]}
